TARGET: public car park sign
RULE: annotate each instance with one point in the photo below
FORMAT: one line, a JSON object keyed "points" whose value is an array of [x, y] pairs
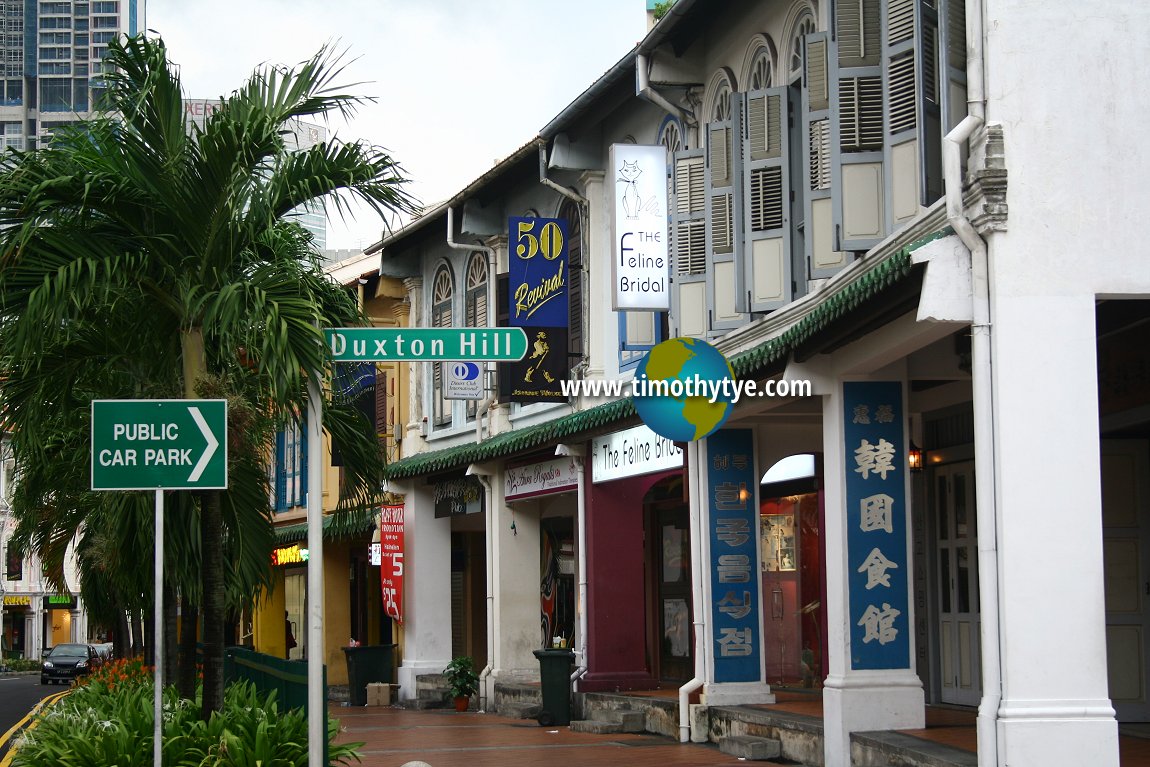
{"points": [[153, 444]]}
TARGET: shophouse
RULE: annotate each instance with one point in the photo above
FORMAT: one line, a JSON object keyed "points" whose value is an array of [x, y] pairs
{"points": [[895, 203]]}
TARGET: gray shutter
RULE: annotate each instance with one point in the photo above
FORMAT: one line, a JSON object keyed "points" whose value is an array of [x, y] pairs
{"points": [[724, 194], [688, 244], [855, 73], [822, 259], [952, 20], [766, 273], [913, 151]]}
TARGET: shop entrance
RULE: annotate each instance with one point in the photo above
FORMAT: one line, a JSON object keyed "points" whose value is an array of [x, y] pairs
{"points": [[960, 668], [295, 603], [669, 537]]}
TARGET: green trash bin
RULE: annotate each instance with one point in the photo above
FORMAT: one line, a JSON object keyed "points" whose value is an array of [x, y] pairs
{"points": [[555, 679], [367, 664]]}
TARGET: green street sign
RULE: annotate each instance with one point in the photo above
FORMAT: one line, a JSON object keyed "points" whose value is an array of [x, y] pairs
{"points": [[426, 344], [159, 444]]}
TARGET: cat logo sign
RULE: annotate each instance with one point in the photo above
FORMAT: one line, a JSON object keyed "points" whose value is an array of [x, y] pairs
{"points": [[640, 266]]}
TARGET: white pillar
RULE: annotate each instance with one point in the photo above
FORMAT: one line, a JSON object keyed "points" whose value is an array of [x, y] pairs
{"points": [[859, 700], [1055, 708], [427, 588], [515, 573], [602, 339]]}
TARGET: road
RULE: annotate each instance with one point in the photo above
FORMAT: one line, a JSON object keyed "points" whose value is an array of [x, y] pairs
{"points": [[18, 694]]}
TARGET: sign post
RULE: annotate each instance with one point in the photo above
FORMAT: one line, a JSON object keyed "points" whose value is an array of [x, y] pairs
{"points": [[153, 444]]}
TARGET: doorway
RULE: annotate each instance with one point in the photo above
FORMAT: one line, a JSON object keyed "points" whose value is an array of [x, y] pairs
{"points": [[956, 545], [1124, 545], [295, 604], [673, 591]]}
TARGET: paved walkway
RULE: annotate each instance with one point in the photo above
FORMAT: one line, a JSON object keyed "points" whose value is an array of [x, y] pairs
{"points": [[393, 737]]}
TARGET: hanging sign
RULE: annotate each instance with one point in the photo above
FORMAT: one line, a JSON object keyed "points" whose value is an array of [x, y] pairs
{"points": [[731, 485], [391, 560], [640, 263], [631, 453], [877, 549], [556, 475]]}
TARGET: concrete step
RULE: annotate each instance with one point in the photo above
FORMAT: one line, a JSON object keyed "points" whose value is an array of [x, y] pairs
{"points": [[630, 721], [596, 726], [750, 748], [520, 710]]}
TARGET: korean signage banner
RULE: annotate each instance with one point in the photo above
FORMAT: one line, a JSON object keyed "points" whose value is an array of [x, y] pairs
{"points": [[877, 551], [640, 264], [537, 301], [731, 483], [391, 560]]}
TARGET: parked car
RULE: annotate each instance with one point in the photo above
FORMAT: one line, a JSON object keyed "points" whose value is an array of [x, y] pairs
{"points": [[104, 650], [65, 662]]}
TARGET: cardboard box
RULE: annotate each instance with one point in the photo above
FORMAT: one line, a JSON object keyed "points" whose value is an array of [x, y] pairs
{"points": [[380, 694]]}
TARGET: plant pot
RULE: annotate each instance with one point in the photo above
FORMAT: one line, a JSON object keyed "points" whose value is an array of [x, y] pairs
{"points": [[462, 702]]}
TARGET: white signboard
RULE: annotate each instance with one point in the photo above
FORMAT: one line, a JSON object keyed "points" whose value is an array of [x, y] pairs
{"points": [[462, 380], [631, 453], [640, 265], [541, 478]]}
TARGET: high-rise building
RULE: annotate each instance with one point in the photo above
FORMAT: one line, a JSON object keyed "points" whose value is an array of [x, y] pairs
{"points": [[51, 65], [303, 135]]}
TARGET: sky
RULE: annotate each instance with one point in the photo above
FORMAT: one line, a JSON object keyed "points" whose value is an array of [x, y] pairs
{"points": [[459, 85]]}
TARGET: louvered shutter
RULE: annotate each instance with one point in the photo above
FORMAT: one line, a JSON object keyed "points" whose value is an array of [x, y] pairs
{"points": [[952, 19], [822, 259], [855, 74], [382, 419], [689, 244], [767, 278], [724, 188], [913, 151]]}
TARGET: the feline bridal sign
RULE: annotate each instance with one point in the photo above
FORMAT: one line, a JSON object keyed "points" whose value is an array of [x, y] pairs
{"points": [[640, 263]]}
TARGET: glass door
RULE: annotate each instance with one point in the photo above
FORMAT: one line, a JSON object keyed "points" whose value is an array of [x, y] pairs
{"points": [[959, 647], [673, 584]]}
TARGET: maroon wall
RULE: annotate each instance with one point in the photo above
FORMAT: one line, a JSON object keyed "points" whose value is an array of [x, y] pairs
{"points": [[616, 591]]}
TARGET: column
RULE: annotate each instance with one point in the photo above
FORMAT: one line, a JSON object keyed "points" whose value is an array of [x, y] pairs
{"points": [[414, 429], [601, 340], [427, 588], [871, 684], [1055, 708]]}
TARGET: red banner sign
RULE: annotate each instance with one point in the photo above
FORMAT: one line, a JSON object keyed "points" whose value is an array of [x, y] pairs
{"points": [[391, 560]]}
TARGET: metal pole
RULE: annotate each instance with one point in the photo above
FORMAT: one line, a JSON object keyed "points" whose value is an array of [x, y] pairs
{"points": [[316, 709], [158, 643]]}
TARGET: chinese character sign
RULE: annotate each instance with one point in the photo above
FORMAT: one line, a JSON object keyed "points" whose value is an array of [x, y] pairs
{"points": [[731, 482], [391, 560], [877, 517]]}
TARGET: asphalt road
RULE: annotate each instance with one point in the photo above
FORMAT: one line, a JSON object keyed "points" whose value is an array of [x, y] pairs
{"points": [[18, 694]]}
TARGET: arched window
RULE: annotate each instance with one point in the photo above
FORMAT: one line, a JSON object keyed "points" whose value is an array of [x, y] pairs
{"points": [[721, 87], [761, 74], [475, 309], [671, 136], [442, 291], [803, 26]]}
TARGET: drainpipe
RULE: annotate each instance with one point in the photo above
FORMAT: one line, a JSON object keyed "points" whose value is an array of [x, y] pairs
{"points": [[485, 479], [697, 606], [644, 90], [485, 404], [577, 454], [982, 382], [582, 204]]}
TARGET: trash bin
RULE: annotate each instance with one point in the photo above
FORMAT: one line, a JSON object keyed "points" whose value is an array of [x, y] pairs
{"points": [[555, 680], [367, 664]]}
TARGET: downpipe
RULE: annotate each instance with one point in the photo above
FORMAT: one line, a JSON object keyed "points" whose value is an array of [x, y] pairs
{"points": [[698, 608], [983, 389]]}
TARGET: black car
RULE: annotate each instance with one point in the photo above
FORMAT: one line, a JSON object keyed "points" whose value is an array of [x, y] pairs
{"points": [[65, 662]]}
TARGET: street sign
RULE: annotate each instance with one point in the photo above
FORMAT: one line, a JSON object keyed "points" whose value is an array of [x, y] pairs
{"points": [[159, 444], [463, 380], [426, 344]]}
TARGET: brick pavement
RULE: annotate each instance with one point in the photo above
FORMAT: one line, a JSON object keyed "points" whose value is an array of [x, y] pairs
{"points": [[393, 736]]}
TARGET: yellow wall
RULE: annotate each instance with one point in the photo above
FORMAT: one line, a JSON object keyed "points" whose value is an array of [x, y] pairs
{"points": [[268, 619]]}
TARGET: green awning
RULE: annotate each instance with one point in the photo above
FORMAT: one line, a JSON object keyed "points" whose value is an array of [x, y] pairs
{"points": [[336, 525]]}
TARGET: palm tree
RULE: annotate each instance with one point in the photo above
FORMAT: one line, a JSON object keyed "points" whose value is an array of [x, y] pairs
{"points": [[143, 257]]}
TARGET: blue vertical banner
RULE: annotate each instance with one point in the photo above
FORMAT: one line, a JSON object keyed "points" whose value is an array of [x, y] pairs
{"points": [[877, 522], [537, 284], [731, 482]]}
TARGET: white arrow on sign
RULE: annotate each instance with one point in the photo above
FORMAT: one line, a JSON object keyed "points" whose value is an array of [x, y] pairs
{"points": [[213, 443]]}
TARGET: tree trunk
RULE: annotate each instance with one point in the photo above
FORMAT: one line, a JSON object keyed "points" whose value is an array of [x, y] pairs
{"points": [[122, 641], [212, 545], [189, 620], [137, 634], [150, 637], [170, 654]]}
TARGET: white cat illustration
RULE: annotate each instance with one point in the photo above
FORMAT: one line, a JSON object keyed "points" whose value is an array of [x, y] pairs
{"points": [[628, 174]]}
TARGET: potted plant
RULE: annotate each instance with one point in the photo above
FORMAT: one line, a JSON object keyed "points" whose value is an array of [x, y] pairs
{"points": [[462, 680]]}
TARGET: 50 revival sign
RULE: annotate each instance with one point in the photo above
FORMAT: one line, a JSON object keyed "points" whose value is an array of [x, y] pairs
{"points": [[537, 302]]}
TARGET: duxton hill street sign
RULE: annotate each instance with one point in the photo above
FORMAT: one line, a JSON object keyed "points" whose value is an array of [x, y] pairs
{"points": [[155, 444], [426, 344]]}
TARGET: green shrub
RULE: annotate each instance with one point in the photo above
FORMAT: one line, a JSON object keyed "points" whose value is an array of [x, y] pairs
{"points": [[22, 664], [99, 727]]}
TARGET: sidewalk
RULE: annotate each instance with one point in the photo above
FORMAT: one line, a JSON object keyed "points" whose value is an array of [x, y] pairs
{"points": [[443, 738]]}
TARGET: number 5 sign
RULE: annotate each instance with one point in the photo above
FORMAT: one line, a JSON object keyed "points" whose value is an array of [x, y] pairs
{"points": [[391, 560]]}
